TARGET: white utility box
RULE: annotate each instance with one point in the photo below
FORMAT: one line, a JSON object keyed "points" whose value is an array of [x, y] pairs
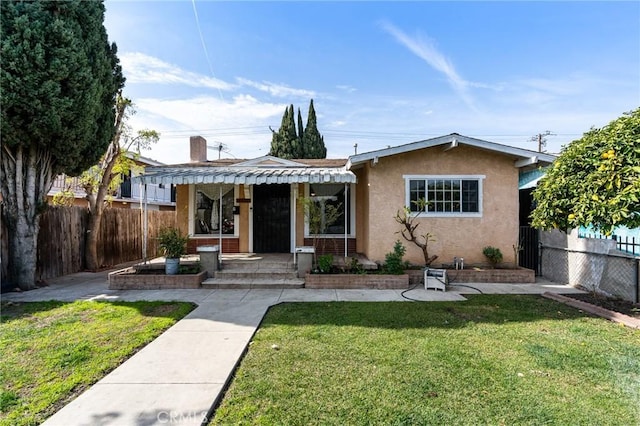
{"points": [[435, 279]]}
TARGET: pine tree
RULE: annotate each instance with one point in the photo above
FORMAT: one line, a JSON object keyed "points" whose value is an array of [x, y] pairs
{"points": [[312, 140]]}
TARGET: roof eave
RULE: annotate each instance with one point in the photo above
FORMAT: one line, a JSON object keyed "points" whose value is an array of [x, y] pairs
{"points": [[453, 140]]}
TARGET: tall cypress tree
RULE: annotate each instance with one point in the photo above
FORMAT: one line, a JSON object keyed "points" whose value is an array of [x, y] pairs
{"points": [[300, 130], [306, 143], [292, 140], [285, 143], [312, 140], [59, 80]]}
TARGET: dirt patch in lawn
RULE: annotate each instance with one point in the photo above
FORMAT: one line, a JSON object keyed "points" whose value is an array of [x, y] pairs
{"points": [[613, 304]]}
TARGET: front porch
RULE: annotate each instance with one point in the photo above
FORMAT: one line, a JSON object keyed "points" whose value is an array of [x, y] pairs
{"points": [[236, 271]]}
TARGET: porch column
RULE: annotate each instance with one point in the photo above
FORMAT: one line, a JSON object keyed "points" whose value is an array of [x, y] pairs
{"points": [[346, 216], [294, 214], [220, 222], [145, 222]]}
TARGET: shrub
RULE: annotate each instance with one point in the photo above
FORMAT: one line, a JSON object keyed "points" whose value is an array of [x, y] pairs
{"points": [[171, 243], [493, 255], [325, 263], [393, 263]]}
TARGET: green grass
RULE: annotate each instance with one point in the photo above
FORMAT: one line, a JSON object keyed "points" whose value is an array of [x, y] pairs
{"points": [[52, 351], [491, 360]]}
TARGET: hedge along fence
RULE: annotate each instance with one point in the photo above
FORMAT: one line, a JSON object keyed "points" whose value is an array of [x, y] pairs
{"points": [[62, 237]]}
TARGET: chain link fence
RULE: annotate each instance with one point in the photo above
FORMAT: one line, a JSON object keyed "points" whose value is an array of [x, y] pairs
{"points": [[610, 273]]}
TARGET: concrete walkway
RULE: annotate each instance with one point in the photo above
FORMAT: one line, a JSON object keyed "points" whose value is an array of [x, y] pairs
{"points": [[176, 379]]}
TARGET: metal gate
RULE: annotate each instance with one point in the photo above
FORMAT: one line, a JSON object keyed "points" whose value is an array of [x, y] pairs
{"points": [[528, 242], [272, 218]]}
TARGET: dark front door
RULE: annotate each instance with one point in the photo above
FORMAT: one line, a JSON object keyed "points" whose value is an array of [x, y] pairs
{"points": [[271, 219]]}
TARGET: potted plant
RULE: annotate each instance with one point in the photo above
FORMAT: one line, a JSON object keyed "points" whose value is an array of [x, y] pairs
{"points": [[172, 245]]}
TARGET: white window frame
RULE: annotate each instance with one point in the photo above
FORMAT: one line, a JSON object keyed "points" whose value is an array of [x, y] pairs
{"points": [[192, 215], [407, 197], [352, 202]]}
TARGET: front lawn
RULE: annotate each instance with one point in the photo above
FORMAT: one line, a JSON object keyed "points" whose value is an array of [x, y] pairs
{"points": [[52, 351], [494, 359]]}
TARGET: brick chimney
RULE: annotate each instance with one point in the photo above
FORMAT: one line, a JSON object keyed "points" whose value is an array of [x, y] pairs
{"points": [[198, 149]]}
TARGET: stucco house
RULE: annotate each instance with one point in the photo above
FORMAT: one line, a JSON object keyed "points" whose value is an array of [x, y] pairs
{"points": [[254, 205]]}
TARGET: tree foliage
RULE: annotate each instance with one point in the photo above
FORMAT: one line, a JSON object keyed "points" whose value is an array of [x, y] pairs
{"points": [[59, 79], [312, 141], [306, 143], [595, 181], [285, 143]]}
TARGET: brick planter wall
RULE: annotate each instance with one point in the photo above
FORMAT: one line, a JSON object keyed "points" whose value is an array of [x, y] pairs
{"points": [[355, 281], [229, 245], [127, 279], [499, 276]]}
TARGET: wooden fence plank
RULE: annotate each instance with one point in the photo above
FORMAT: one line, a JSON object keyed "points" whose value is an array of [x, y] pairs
{"points": [[62, 237]]}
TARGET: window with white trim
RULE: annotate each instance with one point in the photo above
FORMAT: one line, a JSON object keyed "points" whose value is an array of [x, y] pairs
{"points": [[332, 195], [207, 209], [445, 195]]}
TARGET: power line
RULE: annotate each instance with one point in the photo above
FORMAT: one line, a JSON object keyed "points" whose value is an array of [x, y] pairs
{"points": [[204, 45]]}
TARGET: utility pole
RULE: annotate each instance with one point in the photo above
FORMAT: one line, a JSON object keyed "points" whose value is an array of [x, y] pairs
{"points": [[541, 139]]}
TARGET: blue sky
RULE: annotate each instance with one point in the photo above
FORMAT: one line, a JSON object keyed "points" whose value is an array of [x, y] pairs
{"points": [[380, 73]]}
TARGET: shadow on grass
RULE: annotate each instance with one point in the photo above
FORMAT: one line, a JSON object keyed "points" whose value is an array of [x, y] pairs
{"points": [[496, 309], [11, 311]]}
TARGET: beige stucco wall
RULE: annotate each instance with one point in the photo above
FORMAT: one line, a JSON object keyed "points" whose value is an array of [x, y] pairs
{"points": [[182, 208], [362, 208], [300, 217], [243, 220], [462, 236]]}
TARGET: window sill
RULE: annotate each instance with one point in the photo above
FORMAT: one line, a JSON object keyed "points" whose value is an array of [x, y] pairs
{"points": [[203, 236], [446, 215], [328, 236]]}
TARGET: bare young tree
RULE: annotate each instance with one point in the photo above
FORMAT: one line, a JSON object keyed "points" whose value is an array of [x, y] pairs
{"points": [[408, 231], [103, 179]]}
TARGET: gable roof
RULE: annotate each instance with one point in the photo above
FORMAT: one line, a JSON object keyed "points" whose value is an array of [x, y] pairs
{"points": [[523, 157]]}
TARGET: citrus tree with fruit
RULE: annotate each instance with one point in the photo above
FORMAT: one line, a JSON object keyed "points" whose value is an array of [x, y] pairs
{"points": [[595, 181]]}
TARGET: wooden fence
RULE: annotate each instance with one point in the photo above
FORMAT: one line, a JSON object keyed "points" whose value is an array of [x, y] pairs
{"points": [[62, 237]]}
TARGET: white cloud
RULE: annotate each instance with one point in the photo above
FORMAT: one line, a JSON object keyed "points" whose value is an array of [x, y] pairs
{"points": [[241, 123], [142, 68], [346, 88], [274, 89], [425, 49]]}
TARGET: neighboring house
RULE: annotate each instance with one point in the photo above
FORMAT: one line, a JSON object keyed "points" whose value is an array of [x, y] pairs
{"points": [[253, 205], [159, 196]]}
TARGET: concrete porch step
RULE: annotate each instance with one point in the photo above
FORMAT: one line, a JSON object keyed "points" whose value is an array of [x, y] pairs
{"points": [[255, 283], [239, 274], [237, 265]]}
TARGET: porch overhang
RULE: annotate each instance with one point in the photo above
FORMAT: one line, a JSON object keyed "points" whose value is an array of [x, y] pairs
{"points": [[245, 176]]}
